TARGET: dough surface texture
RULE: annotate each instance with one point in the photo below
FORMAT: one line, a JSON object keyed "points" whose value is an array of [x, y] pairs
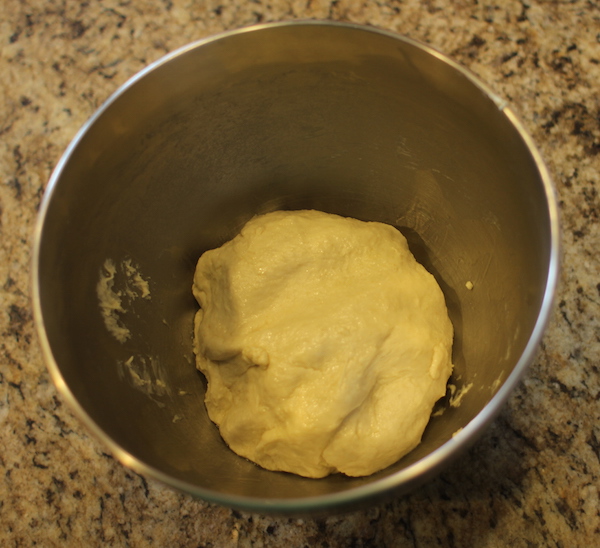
{"points": [[324, 343]]}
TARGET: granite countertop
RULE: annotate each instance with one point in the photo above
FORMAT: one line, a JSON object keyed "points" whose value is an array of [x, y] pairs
{"points": [[533, 478]]}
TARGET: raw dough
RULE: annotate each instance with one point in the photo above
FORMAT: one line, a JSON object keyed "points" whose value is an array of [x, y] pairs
{"points": [[324, 343]]}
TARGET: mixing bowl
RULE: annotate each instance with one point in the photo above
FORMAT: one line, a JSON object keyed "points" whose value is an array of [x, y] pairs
{"points": [[335, 117]]}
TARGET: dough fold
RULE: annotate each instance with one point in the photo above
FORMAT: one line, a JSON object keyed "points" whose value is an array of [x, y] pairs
{"points": [[324, 343]]}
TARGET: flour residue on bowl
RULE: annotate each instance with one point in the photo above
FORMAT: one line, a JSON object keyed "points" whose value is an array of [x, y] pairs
{"points": [[114, 302], [457, 394], [136, 285], [496, 384], [454, 396], [145, 374]]}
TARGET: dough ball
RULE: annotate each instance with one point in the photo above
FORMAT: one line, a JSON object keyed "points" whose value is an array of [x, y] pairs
{"points": [[324, 343]]}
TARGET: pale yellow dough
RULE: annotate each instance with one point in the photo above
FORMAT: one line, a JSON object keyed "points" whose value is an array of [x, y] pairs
{"points": [[324, 343]]}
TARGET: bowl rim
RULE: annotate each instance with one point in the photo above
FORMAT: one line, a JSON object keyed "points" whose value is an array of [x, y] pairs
{"points": [[408, 477]]}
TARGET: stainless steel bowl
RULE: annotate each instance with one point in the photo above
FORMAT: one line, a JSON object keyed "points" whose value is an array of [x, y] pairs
{"points": [[336, 117]]}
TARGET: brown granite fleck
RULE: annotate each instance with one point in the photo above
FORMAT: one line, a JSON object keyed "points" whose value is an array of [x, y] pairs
{"points": [[533, 478]]}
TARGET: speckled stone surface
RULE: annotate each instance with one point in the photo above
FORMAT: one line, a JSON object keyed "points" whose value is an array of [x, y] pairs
{"points": [[533, 478]]}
